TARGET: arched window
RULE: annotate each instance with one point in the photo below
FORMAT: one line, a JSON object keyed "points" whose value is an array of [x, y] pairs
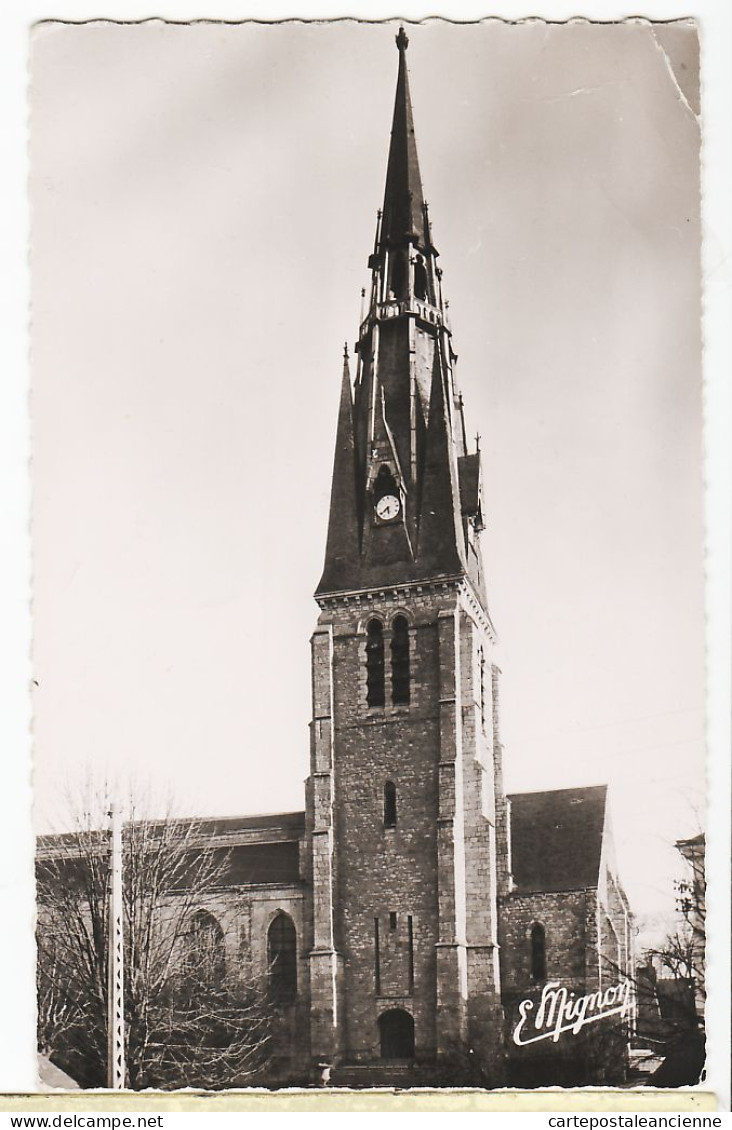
{"points": [[390, 805], [375, 693], [205, 957], [384, 483], [538, 952], [400, 661], [398, 275], [396, 1032], [282, 958], [420, 279]]}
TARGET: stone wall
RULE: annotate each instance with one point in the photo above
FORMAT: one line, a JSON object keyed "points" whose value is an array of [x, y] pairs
{"points": [[567, 920], [414, 922], [245, 915], [587, 940]]}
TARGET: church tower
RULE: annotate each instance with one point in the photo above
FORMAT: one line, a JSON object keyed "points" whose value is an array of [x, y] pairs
{"points": [[406, 836]]}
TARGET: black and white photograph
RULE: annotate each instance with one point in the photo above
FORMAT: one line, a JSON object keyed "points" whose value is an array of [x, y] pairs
{"points": [[369, 694]]}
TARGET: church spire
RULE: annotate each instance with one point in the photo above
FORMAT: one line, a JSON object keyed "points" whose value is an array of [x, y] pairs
{"points": [[342, 552], [405, 502], [403, 214]]}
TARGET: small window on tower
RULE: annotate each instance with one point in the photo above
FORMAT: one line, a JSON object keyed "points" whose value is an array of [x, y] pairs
{"points": [[400, 661], [375, 691], [420, 279], [384, 483], [398, 275], [538, 952], [390, 805], [392, 920]]}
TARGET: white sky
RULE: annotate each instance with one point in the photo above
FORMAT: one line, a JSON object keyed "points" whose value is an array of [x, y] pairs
{"points": [[204, 202]]}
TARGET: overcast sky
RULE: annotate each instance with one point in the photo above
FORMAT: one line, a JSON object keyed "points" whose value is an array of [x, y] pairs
{"points": [[204, 201]]}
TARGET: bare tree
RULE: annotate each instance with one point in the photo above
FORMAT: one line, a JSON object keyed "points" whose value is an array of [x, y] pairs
{"points": [[189, 1020], [669, 982], [680, 960], [684, 953], [677, 958]]}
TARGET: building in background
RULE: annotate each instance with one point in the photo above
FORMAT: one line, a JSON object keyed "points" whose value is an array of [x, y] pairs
{"points": [[671, 988], [693, 906]]}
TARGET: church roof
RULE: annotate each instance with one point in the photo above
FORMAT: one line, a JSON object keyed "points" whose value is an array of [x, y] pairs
{"points": [[256, 865], [257, 850], [556, 839], [284, 825], [260, 850]]}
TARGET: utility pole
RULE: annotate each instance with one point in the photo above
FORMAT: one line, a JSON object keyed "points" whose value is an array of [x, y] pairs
{"points": [[115, 988]]}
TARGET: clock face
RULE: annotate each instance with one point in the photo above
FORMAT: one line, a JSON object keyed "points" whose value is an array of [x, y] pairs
{"points": [[388, 507]]}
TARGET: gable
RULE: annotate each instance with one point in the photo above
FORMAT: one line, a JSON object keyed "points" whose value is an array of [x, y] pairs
{"points": [[556, 839]]}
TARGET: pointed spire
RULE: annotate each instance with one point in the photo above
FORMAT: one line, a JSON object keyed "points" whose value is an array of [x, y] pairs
{"points": [[440, 546], [407, 421], [343, 545], [403, 212]]}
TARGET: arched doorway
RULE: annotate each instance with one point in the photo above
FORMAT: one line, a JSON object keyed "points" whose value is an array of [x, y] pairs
{"points": [[396, 1031]]}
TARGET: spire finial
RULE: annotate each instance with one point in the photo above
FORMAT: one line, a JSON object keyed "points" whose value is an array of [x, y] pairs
{"points": [[403, 211], [345, 350]]}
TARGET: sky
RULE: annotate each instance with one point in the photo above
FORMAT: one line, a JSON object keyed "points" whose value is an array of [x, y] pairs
{"points": [[203, 205]]}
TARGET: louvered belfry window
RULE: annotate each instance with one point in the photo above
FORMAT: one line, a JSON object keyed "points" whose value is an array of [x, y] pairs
{"points": [[400, 661], [375, 692]]}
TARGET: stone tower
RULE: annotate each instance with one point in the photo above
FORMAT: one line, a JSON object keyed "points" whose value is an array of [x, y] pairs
{"points": [[405, 809]]}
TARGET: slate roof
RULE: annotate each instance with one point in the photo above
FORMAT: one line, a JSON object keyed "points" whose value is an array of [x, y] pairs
{"points": [[469, 474], [273, 864], [395, 421], [282, 824], [403, 212], [259, 850], [556, 839]]}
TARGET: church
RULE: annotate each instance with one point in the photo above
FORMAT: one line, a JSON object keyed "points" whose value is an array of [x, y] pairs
{"points": [[413, 906]]}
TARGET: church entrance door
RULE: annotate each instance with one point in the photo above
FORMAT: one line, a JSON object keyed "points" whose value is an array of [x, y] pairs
{"points": [[396, 1029]]}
